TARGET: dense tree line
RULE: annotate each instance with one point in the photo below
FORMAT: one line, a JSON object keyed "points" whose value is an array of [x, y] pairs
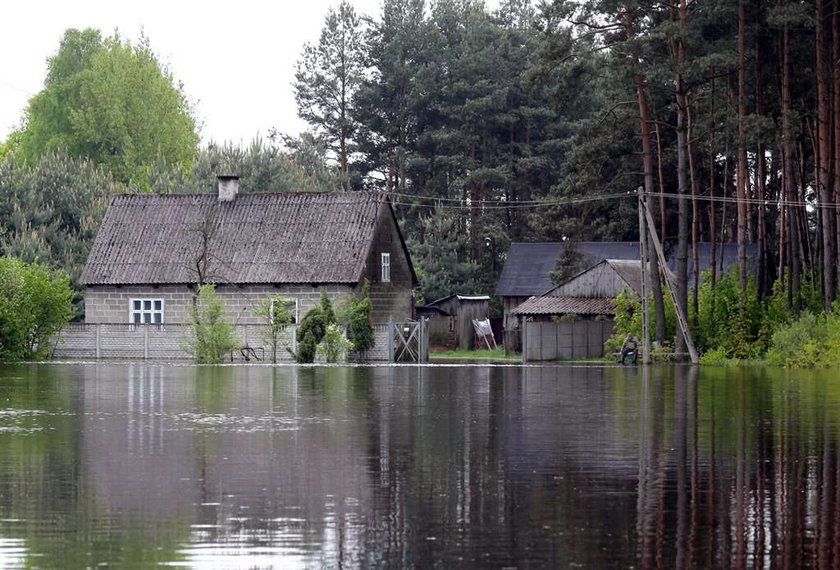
{"points": [[525, 122], [726, 113]]}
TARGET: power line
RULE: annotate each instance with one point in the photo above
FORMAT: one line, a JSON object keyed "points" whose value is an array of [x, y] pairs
{"points": [[402, 199], [410, 200]]}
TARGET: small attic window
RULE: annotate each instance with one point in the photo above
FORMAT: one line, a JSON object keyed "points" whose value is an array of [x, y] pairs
{"points": [[385, 275]]}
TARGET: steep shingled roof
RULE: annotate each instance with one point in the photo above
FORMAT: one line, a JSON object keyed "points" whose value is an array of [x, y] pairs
{"points": [[256, 238]]}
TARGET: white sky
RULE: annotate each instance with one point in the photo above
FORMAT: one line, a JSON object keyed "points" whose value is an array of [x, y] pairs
{"points": [[235, 58]]}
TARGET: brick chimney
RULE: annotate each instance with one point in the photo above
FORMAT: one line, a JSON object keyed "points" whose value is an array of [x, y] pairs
{"points": [[228, 187]]}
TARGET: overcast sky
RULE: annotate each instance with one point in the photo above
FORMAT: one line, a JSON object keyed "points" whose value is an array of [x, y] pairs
{"points": [[236, 58]]}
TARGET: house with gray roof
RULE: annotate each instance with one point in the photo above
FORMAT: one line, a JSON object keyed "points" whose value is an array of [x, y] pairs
{"points": [[153, 250]]}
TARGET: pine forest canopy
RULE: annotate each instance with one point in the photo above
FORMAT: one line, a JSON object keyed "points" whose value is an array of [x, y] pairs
{"points": [[726, 113]]}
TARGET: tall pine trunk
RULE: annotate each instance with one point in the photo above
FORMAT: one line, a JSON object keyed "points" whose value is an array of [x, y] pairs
{"points": [[824, 162], [647, 164], [682, 179], [788, 173], [741, 170]]}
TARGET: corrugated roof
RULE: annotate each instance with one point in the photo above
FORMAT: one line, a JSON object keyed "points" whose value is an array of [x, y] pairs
{"points": [[566, 305], [256, 238], [527, 268], [629, 270]]}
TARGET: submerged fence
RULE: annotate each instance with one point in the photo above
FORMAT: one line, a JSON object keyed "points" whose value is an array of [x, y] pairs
{"points": [[82, 341]]}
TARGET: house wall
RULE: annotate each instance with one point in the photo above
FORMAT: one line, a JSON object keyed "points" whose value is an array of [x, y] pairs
{"points": [[395, 299], [600, 281], [110, 304]]}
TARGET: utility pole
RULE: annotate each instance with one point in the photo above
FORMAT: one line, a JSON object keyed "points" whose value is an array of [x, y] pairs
{"points": [[682, 320], [644, 255]]}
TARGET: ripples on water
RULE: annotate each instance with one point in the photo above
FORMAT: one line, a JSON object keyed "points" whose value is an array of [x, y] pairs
{"points": [[561, 467]]}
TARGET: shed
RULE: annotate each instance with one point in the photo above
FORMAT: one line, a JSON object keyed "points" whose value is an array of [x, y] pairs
{"points": [[574, 319], [460, 311]]}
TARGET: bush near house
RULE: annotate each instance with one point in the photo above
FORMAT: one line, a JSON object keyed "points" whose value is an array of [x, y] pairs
{"points": [[212, 338], [312, 329], [35, 304]]}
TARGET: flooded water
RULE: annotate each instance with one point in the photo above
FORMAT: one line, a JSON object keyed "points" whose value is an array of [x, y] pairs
{"points": [[137, 466]]}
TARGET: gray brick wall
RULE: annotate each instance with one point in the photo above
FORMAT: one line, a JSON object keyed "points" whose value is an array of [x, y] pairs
{"points": [[110, 305]]}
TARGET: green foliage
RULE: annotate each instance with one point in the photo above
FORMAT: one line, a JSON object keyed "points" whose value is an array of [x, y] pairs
{"points": [[333, 346], [717, 357], [726, 318], [50, 212], [112, 102], [359, 327], [35, 304], [212, 337], [326, 306], [262, 166], [628, 319], [276, 317], [312, 329], [442, 258], [812, 340], [326, 80]]}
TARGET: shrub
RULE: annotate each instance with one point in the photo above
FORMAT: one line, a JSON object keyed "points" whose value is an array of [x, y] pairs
{"points": [[333, 346], [275, 315], [312, 329], [717, 357], [359, 327], [34, 305], [813, 340], [212, 338]]}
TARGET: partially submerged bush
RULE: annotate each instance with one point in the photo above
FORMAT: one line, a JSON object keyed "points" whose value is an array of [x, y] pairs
{"points": [[808, 342], [359, 327], [211, 337], [312, 329], [333, 347], [34, 305]]}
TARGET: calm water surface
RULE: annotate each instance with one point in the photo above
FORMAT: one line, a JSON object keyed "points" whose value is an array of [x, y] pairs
{"points": [[137, 466]]}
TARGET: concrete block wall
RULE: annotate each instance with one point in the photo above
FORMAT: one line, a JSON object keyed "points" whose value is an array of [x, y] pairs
{"points": [[110, 304], [169, 342]]}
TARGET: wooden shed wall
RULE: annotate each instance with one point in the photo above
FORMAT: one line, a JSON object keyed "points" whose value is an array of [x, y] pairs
{"points": [[600, 281], [467, 311]]}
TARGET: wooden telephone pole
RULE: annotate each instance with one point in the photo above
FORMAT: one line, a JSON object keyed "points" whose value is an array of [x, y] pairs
{"points": [[644, 254], [682, 320]]}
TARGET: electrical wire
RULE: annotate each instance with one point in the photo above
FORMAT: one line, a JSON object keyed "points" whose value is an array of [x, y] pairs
{"points": [[411, 200]]}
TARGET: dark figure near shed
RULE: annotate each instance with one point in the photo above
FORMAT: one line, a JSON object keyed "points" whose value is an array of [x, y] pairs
{"points": [[630, 348]]}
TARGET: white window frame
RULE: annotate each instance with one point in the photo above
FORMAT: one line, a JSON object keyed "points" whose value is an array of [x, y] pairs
{"points": [[294, 312], [385, 268], [142, 311]]}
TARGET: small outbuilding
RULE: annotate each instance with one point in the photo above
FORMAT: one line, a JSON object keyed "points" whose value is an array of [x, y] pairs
{"points": [[574, 319], [451, 317]]}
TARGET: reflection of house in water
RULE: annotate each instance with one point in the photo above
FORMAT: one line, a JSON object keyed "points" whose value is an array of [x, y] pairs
{"points": [[244, 454]]}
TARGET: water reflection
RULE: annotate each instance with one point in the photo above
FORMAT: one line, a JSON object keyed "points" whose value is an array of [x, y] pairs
{"points": [[242, 467]]}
